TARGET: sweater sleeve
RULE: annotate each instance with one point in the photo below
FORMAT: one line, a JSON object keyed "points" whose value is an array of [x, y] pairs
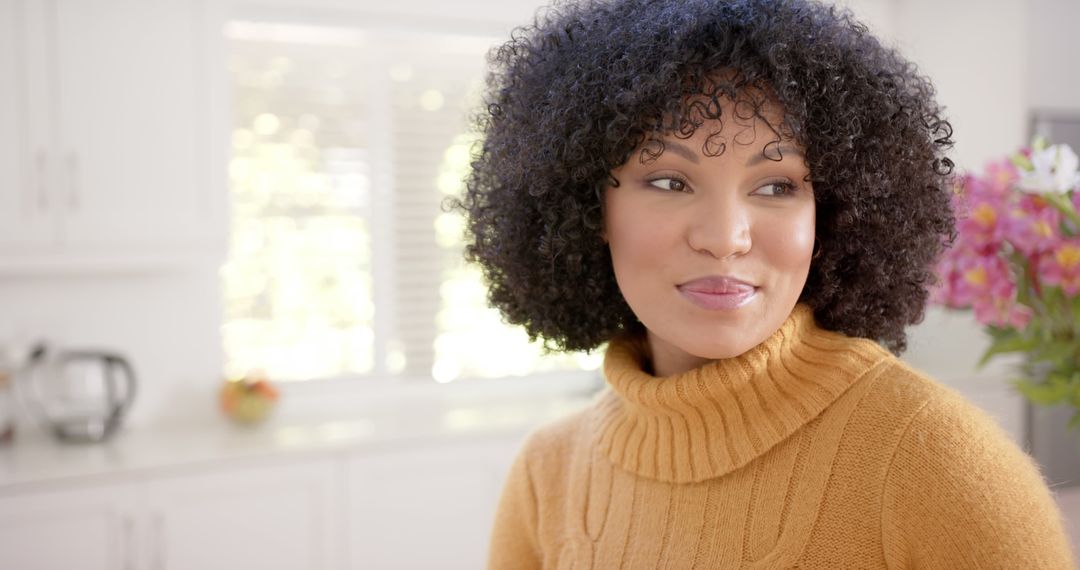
{"points": [[961, 494], [514, 541]]}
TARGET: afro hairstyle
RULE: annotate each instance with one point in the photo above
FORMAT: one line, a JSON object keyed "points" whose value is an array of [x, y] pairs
{"points": [[573, 95]]}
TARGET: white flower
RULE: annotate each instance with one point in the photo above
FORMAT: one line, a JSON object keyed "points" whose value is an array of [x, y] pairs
{"points": [[1055, 169]]}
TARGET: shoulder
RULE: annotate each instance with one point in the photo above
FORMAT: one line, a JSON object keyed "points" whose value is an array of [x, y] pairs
{"points": [[916, 413], [948, 434], [910, 394], [929, 406], [548, 447], [958, 487], [935, 430]]}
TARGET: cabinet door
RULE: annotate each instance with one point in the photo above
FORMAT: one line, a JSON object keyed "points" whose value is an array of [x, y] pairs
{"points": [[133, 134], [427, 508], [89, 529], [25, 213], [272, 518]]}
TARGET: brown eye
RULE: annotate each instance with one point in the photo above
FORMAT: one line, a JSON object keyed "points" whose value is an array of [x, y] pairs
{"points": [[673, 184], [778, 189]]}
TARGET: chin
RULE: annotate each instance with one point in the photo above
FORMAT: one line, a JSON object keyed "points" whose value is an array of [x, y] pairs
{"points": [[714, 351]]}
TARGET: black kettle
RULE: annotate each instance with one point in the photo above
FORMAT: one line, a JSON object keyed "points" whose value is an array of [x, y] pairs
{"points": [[79, 395]]}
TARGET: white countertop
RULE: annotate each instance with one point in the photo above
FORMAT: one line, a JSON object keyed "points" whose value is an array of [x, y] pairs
{"points": [[36, 459]]}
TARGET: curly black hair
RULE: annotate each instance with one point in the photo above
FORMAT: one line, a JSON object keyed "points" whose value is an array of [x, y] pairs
{"points": [[570, 97]]}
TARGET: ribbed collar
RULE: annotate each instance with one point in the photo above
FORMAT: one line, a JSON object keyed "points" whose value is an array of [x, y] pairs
{"points": [[713, 419]]}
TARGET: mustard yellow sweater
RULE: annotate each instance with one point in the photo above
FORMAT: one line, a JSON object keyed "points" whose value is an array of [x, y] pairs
{"points": [[812, 450]]}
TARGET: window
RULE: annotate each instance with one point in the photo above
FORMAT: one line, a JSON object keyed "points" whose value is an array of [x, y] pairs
{"points": [[342, 262]]}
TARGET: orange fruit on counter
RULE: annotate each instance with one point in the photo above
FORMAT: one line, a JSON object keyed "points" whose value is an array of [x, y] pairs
{"points": [[247, 400]]}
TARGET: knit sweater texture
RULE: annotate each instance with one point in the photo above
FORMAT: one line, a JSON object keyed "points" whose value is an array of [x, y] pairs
{"points": [[811, 450]]}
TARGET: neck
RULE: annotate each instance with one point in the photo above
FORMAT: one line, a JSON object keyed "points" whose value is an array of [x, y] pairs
{"points": [[666, 359]]}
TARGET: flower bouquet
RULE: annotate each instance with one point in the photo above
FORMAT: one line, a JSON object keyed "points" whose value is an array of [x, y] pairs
{"points": [[1016, 264]]}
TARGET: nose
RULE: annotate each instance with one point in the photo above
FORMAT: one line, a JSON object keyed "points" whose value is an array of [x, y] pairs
{"points": [[720, 226]]}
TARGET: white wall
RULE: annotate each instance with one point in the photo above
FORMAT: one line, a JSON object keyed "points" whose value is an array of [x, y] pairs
{"points": [[976, 52], [168, 324], [1053, 77]]}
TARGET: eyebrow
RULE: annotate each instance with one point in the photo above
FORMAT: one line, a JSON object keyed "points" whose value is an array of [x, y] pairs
{"points": [[681, 150], [783, 151]]}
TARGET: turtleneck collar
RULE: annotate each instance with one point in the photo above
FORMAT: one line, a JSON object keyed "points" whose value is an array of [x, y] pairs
{"points": [[711, 420]]}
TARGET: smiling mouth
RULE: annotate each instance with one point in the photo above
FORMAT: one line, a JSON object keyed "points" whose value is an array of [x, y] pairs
{"points": [[718, 293]]}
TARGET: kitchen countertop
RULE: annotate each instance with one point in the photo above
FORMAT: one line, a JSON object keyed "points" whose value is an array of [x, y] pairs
{"points": [[36, 459]]}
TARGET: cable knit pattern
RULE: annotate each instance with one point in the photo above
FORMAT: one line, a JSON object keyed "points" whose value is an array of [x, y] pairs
{"points": [[812, 450]]}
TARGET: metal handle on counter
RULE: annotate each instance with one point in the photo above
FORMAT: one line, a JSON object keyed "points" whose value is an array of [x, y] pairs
{"points": [[128, 544], [73, 179], [40, 168], [159, 542]]}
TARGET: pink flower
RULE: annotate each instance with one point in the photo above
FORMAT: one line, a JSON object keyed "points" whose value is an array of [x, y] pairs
{"points": [[1032, 225], [1005, 233], [948, 290], [1062, 267], [988, 283], [1001, 176], [982, 227], [1003, 313], [983, 277]]}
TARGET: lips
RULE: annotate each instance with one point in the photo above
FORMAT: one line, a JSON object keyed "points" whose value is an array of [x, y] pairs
{"points": [[717, 292]]}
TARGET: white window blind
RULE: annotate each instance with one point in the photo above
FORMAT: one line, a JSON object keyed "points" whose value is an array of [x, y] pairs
{"points": [[342, 263]]}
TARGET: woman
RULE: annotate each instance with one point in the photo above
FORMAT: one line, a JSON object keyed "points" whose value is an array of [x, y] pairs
{"points": [[744, 199]]}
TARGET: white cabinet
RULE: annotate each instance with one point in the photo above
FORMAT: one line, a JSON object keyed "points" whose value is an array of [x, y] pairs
{"points": [[279, 518], [417, 506], [271, 517], [113, 148], [24, 215], [91, 528], [430, 508]]}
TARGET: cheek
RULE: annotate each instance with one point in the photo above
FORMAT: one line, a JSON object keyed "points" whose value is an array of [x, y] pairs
{"points": [[791, 249], [628, 227], [638, 243], [634, 241]]}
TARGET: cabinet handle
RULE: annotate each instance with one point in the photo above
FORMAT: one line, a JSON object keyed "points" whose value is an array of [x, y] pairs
{"points": [[73, 180], [41, 163], [159, 542], [129, 544]]}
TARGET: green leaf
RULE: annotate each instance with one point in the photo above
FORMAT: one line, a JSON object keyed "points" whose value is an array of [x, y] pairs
{"points": [[1022, 162], [1074, 399], [1074, 422], [1064, 205], [1046, 394], [1005, 343], [1022, 271], [1059, 352], [998, 333], [1067, 229], [1076, 316]]}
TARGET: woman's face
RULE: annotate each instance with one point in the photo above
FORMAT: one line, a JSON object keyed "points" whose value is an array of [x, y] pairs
{"points": [[711, 252]]}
